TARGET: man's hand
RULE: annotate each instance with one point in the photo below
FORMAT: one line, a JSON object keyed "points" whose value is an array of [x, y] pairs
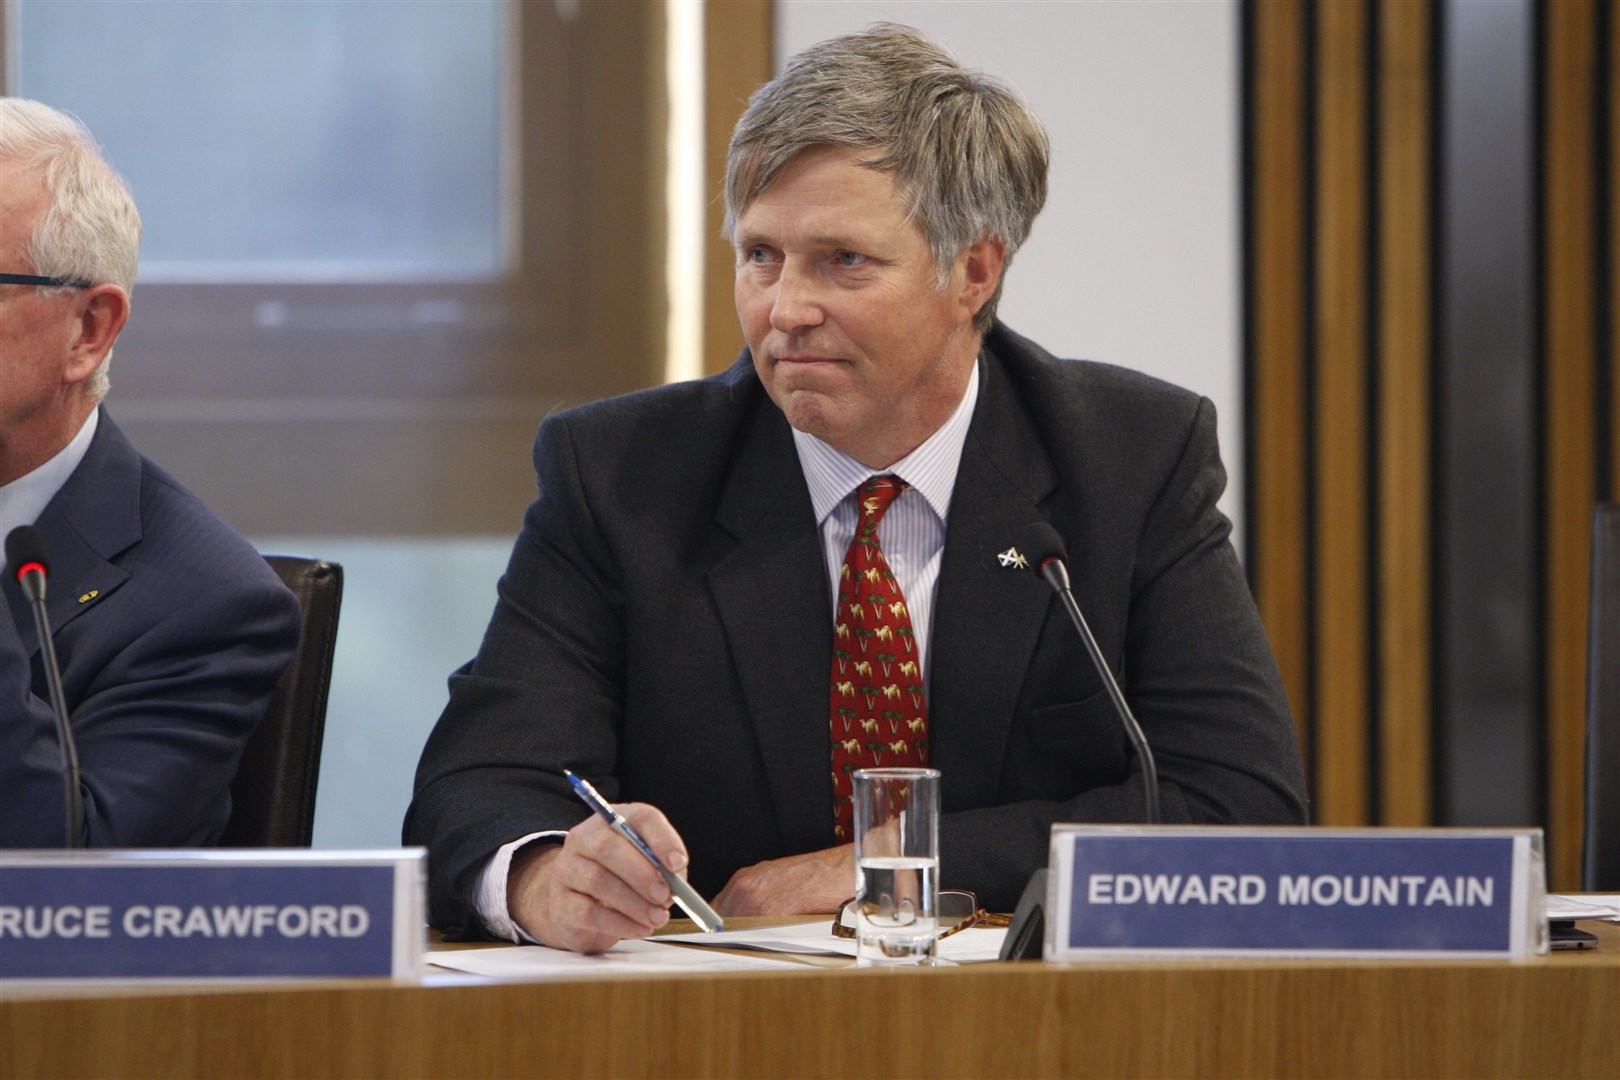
{"points": [[595, 888], [810, 884]]}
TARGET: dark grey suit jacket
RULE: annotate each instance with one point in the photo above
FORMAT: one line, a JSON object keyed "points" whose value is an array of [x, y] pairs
{"points": [[171, 632], [664, 629]]}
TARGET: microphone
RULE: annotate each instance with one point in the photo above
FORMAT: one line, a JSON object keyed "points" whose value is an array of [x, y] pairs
{"points": [[1041, 545], [25, 554]]}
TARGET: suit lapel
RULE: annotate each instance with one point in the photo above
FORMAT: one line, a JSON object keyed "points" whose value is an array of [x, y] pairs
{"points": [[94, 517], [80, 577], [988, 617], [772, 597]]}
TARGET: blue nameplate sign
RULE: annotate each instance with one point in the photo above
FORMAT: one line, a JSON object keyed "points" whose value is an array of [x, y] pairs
{"points": [[212, 914], [1131, 890]]}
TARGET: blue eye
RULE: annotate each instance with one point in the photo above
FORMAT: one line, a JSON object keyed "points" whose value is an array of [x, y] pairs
{"points": [[849, 258]]}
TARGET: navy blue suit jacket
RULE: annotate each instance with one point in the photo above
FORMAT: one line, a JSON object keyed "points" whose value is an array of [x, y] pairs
{"points": [[171, 632], [664, 629]]}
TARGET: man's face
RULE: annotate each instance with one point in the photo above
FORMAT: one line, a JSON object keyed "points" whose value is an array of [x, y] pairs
{"points": [[36, 329], [836, 292]]}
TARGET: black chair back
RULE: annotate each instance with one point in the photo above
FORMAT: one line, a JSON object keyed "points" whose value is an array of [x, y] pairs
{"points": [[1600, 863], [273, 795]]}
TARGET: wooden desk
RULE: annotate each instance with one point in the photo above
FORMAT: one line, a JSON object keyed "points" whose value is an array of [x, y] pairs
{"points": [[1551, 1016]]}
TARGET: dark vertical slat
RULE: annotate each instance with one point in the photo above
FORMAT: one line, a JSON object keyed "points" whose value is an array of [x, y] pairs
{"points": [[1600, 865], [1403, 430], [1276, 373], [1568, 371], [1340, 412], [1487, 653]]}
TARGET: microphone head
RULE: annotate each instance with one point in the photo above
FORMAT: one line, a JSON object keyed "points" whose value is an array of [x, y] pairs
{"points": [[25, 546], [1040, 543]]}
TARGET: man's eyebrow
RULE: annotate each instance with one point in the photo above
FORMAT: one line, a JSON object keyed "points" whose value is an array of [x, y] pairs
{"points": [[823, 240], [843, 240]]}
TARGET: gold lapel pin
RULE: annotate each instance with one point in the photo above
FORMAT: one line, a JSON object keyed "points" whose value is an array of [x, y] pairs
{"points": [[89, 596]]}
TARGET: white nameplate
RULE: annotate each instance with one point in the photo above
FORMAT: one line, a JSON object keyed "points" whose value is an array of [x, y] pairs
{"points": [[211, 914], [1117, 891]]}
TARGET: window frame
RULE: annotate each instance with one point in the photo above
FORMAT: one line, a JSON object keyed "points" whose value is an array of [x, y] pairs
{"points": [[383, 376]]}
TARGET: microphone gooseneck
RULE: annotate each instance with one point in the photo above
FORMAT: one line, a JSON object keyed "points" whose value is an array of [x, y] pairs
{"points": [[1043, 547], [26, 556]]}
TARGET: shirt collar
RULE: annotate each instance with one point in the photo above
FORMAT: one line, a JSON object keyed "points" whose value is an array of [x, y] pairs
{"points": [[25, 498], [931, 468]]}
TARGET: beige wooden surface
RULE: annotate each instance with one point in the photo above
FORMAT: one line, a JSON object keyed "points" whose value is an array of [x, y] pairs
{"points": [[1404, 687], [1552, 1016]]}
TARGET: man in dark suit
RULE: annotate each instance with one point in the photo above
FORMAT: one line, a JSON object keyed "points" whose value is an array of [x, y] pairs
{"points": [[170, 629], [676, 622]]}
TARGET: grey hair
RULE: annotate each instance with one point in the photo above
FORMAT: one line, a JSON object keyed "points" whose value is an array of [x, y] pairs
{"points": [[968, 155], [91, 229]]}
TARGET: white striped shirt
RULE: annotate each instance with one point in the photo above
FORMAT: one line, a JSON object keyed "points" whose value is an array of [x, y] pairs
{"points": [[912, 531]]}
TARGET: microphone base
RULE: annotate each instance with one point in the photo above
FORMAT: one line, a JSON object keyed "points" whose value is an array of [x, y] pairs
{"points": [[1026, 937]]}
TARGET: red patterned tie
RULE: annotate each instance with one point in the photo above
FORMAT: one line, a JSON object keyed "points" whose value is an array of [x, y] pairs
{"points": [[879, 717]]}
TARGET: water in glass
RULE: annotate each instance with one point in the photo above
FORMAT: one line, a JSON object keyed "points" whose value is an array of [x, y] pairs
{"points": [[896, 917]]}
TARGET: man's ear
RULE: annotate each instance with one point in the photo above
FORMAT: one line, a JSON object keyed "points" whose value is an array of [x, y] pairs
{"points": [[983, 261], [100, 313]]}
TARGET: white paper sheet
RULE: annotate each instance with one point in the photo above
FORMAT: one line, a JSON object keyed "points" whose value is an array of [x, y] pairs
{"points": [[973, 946], [1591, 906], [538, 962]]}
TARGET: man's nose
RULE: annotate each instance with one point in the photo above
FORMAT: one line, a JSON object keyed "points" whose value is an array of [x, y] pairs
{"points": [[797, 305]]}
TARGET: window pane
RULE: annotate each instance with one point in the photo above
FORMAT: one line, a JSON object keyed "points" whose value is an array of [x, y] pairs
{"points": [[320, 139]]}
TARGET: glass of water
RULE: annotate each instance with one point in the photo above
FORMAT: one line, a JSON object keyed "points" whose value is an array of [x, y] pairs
{"points": [[896, 866]]}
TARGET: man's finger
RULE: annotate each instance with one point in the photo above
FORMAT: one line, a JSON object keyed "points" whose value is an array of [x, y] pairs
{"points": [[586, 917], [604, 884], [621, 857], [652, 826]]}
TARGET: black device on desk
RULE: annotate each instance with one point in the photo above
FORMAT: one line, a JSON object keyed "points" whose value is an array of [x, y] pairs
{"points": [[1561, 935]]}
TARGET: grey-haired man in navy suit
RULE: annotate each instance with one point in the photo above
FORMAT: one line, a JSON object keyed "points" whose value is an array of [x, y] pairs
{"points": [[666, 626], [170, 629]]}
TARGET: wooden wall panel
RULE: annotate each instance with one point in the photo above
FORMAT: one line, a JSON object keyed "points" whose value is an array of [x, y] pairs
{"points": [[1340, 414], [1569, 373], [1342, 195], [1403, 297], [737, 47], [1338, 261], [1276, 460]]}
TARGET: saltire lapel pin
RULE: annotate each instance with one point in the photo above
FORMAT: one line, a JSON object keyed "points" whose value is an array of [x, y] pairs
{"points": [[1011, 559]]}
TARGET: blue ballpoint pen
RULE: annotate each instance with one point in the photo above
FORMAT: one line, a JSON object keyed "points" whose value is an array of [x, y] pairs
{"points": [[684, 894]]}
